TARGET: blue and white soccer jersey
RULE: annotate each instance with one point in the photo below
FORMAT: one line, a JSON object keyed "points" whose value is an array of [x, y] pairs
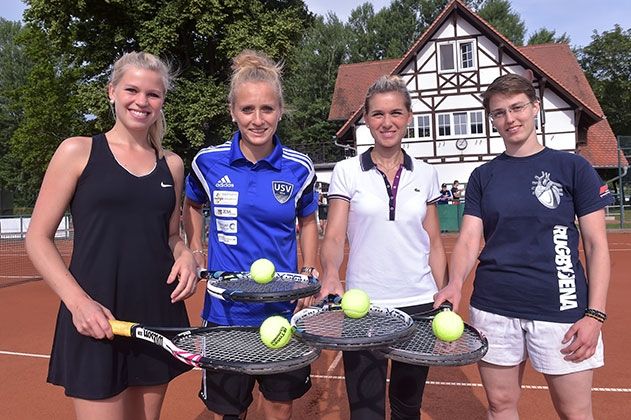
{"points": [[389, 248], [253, 210], [529, 267]]}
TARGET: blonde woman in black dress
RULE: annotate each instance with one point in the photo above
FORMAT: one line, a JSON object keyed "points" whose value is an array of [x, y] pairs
{"points": [[128, 262]]}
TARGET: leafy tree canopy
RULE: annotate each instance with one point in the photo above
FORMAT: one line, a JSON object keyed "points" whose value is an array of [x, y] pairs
{"points": [[607, 64]]}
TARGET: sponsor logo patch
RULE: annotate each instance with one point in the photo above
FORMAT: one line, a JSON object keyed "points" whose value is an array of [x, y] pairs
{"points": [[282, 191], [225, 211], [227, 226], [226, 198], [224, 182]]}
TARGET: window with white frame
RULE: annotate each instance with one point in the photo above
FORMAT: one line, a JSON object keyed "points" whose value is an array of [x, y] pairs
{"points": [[424, 126], [464, 123], [477, 122], [460, 123], [420, 127], [465, 60], [446, 56], [444, 124], [466, 55]]}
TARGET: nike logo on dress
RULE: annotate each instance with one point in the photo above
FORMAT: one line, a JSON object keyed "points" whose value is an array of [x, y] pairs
{"points": [[163, 185]]}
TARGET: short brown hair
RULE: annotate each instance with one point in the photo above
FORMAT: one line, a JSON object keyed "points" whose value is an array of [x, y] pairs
{"points": [[509, 84]]}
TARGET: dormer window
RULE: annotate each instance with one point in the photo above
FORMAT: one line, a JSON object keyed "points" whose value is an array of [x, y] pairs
{"points": [[456, 56]]}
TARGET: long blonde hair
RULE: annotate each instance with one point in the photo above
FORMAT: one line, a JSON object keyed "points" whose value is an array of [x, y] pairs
{"points": [[147, 61], [255, 66]]}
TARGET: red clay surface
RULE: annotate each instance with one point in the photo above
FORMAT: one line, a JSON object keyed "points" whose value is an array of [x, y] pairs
{"points": [[27, 317]]}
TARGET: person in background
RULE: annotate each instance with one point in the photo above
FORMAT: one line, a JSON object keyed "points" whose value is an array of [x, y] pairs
{"points": [[455, 191], [123, 190], [445, 195], [384, 202], [323, 210], [532, 297], [255, 187]]}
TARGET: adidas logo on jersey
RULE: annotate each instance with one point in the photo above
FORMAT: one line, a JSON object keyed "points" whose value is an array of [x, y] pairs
{"points": [[224, 182]]}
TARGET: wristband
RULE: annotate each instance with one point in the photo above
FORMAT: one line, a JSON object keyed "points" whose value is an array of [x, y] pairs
{"points": [[596, 314]]}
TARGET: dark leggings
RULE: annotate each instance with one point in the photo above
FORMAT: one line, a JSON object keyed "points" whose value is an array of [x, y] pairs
{"points": [[366, 373]]}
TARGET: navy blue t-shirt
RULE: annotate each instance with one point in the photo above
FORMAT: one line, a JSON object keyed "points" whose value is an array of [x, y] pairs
{"points": [[529, 267]]}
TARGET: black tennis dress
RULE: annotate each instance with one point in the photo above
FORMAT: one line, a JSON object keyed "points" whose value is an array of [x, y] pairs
{"points": [[121, 258]]}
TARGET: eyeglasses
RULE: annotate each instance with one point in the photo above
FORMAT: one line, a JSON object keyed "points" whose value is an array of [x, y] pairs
{"points": [[516, 109]]}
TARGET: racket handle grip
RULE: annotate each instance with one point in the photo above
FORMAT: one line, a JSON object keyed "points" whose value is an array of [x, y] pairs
{"points": [[122, 328]]}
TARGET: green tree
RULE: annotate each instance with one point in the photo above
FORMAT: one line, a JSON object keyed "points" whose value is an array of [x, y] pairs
{"points": [[502, 17], [14, 68], [74, 43], [607, 64], [546, 36], [309, 88]]}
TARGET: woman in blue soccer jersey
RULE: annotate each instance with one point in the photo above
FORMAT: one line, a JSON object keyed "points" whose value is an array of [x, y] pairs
{"points": [[532, 298], [384, 202], [128, 259], [255, 188]]}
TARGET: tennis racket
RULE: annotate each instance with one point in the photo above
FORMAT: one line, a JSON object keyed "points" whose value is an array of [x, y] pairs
{"points": [[239, 286], [235, 349], [326, 326], [423, 348]]}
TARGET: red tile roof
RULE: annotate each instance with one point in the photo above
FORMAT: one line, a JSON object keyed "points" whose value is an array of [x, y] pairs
{"points": [[352, 83]]}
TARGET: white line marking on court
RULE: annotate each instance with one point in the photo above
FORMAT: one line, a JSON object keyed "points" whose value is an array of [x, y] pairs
{"points": [[335, 362], [13, 353], [475, 385], [341, 378]]}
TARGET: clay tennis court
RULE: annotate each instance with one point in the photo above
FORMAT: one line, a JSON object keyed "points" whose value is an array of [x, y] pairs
{"points": [[27, 316]]}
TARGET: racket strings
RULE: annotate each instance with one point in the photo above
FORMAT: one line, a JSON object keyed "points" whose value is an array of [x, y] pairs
{"points": [[231, 346], [424, 341], [333, 328], [250, 286]]}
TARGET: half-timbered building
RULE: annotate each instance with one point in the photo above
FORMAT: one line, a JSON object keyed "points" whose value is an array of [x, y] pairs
{"points": [[448, 68]]}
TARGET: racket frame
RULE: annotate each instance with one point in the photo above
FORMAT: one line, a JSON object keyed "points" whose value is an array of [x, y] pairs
{"points": [[351, 343], [424, 326], [150, 334], [266, 292]]}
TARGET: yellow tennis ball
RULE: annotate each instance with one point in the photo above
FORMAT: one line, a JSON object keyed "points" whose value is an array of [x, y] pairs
{"points": [[447, 326], [355, 303], [262, 271], [275, 332]]}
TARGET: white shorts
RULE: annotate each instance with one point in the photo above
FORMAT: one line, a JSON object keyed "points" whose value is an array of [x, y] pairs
{"points": [[513, 340]]}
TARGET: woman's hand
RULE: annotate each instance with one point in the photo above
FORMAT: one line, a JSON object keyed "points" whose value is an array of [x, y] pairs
{"points": [[91, 318], [185, 271]]}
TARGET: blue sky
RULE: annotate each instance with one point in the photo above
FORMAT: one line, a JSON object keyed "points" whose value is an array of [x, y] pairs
{"points": [[577, 18]]}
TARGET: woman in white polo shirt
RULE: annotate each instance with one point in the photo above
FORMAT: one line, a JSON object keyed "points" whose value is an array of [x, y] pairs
{"points": [[384, 201]]}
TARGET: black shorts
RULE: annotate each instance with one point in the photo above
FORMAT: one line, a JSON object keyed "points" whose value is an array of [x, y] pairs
{"points": [[231, 393]]}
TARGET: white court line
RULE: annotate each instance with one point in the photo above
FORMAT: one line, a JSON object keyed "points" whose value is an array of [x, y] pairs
{"points": [[335, 362], [13, 353], [341, 378]]}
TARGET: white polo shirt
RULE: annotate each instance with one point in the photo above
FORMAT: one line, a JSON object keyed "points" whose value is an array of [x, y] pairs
{"points": [[389, 248]]}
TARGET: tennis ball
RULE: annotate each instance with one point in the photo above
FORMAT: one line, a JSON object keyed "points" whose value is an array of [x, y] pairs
{"points": [[262, 271], [275, 332], [447, 326], [355, 303]]}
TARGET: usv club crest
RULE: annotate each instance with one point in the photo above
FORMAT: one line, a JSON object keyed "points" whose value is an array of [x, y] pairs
{"points": [[282, 191]]}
